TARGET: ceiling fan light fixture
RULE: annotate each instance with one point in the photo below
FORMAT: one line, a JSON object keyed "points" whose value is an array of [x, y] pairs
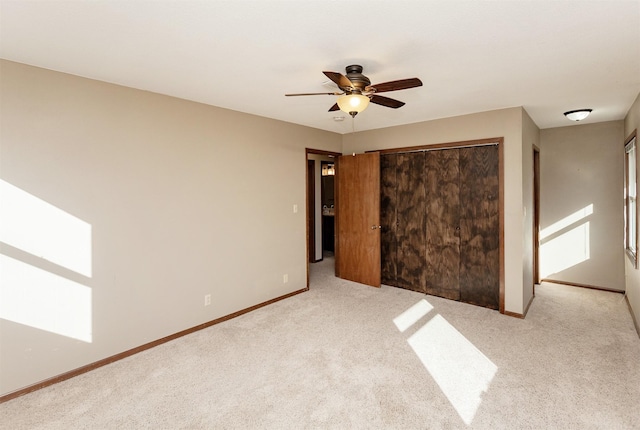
{"points": [[352, 86], [578, 114], [353, 103]]}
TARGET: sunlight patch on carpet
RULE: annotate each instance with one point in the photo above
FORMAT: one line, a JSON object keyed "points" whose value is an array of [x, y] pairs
{"points": [[461, 370], [412, 315]]}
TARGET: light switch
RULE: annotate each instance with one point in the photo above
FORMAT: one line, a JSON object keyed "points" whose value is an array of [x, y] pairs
{"points": [[295, 209]]}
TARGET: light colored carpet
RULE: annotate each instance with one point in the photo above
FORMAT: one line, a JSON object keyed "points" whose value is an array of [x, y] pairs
{"points": [[349, 356]]}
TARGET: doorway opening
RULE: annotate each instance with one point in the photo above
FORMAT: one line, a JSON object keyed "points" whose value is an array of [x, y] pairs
{"points": [[321, 168], [536, 217]]}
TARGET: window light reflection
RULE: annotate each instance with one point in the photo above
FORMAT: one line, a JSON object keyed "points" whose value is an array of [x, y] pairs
{"points": [[42, 300], [41, 229]]}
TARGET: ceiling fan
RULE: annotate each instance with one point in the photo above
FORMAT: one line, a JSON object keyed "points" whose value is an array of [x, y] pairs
{"points": [[356, 91]]}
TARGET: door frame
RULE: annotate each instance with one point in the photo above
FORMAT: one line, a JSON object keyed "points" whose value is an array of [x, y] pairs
{"points": [[308, 151]]}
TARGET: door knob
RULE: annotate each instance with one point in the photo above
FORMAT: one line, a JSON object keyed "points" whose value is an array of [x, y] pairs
{"points": [[373, 227]]}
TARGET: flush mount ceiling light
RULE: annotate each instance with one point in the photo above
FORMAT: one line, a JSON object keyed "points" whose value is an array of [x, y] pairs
{"points": [[353, 104], [578, 114]]}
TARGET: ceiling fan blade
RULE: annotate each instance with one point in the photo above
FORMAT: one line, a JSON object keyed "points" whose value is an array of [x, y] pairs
{"points": [[314, 94], [340, 80], [401, 84], [386, 101], [334, 108]]}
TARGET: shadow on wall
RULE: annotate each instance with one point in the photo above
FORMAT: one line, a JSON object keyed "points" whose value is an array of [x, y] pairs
{"points": [[565, 243], [33, 231]]}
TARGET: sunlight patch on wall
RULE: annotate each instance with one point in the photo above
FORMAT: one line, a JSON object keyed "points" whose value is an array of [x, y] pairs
{"points": [[41, 229], [40, 299], [565, 243], [566, 221], [458, 367]]}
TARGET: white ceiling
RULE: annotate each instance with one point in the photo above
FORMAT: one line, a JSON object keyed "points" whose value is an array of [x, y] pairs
{"points": [[472, 56]]}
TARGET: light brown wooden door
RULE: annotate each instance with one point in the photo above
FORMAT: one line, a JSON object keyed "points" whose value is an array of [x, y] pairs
{"points": [[358, 218]]}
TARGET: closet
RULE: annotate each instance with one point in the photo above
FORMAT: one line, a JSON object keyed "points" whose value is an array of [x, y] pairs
{"points": [[439, 211]]}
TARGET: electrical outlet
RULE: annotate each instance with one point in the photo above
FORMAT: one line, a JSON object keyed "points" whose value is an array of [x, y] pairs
{"points": [[285, 278], [207, 299]]}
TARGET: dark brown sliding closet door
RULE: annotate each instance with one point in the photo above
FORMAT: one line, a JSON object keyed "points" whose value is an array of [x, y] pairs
{"points": [[479, 226], [440, 234], [411, 221], [442, 224], [388, 220]]}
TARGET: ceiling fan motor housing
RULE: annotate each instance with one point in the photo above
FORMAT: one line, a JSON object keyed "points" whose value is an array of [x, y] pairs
{"points": [[359, 81]]}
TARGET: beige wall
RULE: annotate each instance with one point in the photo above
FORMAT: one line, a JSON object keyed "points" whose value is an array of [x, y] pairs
{"points": [[505, 123], [582, 170], [632, 275], [530, 138], [182, 200]]}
